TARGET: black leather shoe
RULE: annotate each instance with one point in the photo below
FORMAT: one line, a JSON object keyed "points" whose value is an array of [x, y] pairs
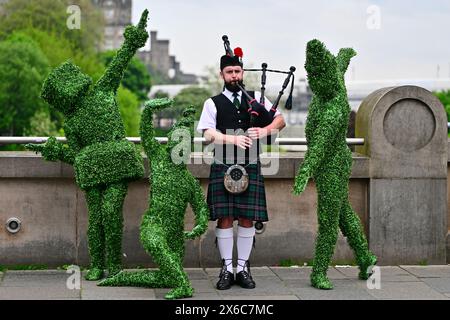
{"points": [[226, 278], [244, 278]]}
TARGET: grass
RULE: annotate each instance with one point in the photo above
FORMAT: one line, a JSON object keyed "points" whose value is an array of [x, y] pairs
{"points": [[269, 148], [4, 268], [297, 262], [423, 262], [67, 266], [294, 262], [343, 263]]}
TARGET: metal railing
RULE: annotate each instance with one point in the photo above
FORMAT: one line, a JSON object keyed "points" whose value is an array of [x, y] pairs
{"points": [[163, 140]]}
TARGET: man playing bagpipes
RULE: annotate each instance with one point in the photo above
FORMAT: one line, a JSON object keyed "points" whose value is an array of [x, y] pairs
{"points": [[236, 122]]}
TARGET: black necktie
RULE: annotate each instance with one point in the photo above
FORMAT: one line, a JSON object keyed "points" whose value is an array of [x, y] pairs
{"points": [[236, 100]]}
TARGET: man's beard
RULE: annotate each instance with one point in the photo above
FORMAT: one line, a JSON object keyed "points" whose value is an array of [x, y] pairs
{"points": [[232, 86]]}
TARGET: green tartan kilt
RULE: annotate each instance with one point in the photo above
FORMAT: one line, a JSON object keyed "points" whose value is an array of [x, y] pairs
{"points": [[250, 204]]}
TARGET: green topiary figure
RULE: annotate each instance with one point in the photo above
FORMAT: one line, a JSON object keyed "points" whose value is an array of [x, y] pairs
{"points": [[104, 161], [172, 187], [328, 161]]}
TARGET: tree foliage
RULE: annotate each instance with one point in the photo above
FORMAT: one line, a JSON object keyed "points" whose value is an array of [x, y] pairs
{"points": [[136, 78], [444, 97], [191, 96], [51, 16], [46, 43], [129, 110], [23, 67]]}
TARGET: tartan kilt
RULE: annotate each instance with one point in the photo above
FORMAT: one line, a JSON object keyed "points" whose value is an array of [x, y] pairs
{"points": [[250, 204]]}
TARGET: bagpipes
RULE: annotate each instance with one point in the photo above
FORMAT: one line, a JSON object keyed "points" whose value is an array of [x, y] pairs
{"points": [[259, 116]]}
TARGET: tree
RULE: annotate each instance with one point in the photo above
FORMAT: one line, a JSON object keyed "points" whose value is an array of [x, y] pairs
{"points": [[41, 125], [136, 77], [129, 110], [58, 50], [23, 68], [190, 96], [444, 97], [161, 94], [45, 22], [51, 16]]}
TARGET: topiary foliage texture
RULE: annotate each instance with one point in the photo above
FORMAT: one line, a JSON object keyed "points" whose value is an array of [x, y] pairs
{"points": [[172, 187], [104, 161], [328, 161]]}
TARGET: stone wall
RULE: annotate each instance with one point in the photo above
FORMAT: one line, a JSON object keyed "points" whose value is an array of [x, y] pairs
{"points": [[398, 187]]}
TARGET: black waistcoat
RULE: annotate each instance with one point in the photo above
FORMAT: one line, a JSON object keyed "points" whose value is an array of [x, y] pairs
{"points": [[230, 120]]}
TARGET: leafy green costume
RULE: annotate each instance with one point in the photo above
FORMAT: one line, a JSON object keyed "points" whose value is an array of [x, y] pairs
{"points": [[104, 161], [172, 187], [328, 161]]}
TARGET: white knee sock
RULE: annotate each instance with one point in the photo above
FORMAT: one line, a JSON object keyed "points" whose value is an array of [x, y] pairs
{"points": [[244, 246], [225, 244]]}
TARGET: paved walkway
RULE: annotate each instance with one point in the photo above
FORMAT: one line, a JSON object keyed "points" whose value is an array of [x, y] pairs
{"points": [[273, 283]]}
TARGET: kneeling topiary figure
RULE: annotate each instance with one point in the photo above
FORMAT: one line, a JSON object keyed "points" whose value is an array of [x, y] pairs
{"points": [[172, 187]]}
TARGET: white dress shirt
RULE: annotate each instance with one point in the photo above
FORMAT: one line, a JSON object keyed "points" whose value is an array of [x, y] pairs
{"points": [[209, 112]]}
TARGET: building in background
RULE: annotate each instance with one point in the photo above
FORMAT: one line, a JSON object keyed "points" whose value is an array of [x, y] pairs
{"points": [[159, 59], [117, 15]]}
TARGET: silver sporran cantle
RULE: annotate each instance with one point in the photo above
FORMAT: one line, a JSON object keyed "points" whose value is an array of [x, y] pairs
{"points": [[236, 179]]}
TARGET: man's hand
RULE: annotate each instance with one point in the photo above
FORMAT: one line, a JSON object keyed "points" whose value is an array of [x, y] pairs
{"points": [[258, 133], [301, 180], [137, 35], [243, 142]]}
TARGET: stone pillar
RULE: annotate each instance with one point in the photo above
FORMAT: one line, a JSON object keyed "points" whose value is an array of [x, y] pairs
{"points": [[405, 132]]}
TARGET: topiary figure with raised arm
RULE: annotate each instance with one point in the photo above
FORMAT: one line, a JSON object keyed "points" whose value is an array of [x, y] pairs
{"points": [[172, 187], [104, 161], [328, 161]]}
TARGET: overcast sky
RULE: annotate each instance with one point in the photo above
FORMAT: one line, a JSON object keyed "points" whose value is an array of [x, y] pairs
{"points": [[395, 39]]}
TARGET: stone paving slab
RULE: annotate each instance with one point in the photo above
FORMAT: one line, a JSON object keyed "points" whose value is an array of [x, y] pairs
{"points": [[292, 272], [262, 272], [297, 283], [343, 290], [90, 291], [196, 273], [203, 286], [352, 272], [160, 293], [387, 273], [212, 272], [203, 296], [428, 271], [406, 291], [36, 279], [304, 272], [36, 293], [441, 285], [264, 286]]}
